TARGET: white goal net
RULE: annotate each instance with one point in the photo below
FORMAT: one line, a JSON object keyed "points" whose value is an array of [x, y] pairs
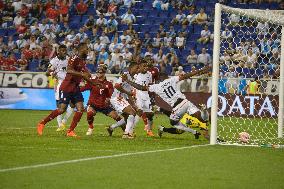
{"points": [[247, 93]]}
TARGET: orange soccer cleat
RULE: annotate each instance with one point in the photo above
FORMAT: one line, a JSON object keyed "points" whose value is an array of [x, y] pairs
{"points": [[150, 133], [40, 128], [71, 134]]}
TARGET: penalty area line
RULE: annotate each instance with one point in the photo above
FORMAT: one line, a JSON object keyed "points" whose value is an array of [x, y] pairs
{"points": [[97, 158]]}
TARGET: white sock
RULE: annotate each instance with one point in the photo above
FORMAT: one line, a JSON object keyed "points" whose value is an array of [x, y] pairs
{"points": [[59, 120], [129, 124], [184, 128], [118, 124], [137, 118], [69, 112]]}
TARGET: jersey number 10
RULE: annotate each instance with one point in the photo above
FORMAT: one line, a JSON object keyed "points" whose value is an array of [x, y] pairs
{"points": [[170, 91]]}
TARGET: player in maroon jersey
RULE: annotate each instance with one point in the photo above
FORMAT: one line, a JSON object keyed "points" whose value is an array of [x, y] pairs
{"points": [[70, 91], [99, 101]]}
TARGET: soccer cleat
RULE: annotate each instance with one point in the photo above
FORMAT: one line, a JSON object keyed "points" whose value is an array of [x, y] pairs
{"points": [[40, 128], [61, 128], [127, 136], [196, 135], [71, 134], [89, 132], [160, 131], [150, 133], [109, 130]]}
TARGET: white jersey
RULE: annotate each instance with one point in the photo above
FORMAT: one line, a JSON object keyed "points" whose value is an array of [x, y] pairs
{"points": [[168, 90], [116, 93], [145, 80], [59, 67]]}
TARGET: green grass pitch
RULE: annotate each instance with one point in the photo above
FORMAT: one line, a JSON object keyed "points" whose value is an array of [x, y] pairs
{"points": [[167, 162]]}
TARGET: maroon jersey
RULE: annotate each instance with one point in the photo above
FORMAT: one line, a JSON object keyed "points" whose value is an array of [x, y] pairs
{"points": [[98, 95], [155, 74], [71, 82]]}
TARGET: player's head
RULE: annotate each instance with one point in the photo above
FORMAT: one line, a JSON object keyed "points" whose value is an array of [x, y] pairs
{"points": [[101, 71], [62, 52], [143, 67], [83, 50], [133, 68], [163, 76]]}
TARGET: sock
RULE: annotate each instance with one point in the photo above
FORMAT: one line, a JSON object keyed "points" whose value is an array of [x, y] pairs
{"points": [[118, 124], [129, 124], [69, 112], [145, 120], [137, 118], [59, 120], [51, 116], [172, 130], [150, 124], [90, 119], [76, 118], [180, 126]]}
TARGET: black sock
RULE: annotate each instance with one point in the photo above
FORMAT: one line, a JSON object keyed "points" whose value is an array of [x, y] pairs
{"points": [[172, 130]]}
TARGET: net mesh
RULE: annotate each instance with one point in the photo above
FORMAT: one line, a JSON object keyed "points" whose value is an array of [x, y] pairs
{"points": [[249, 76]]}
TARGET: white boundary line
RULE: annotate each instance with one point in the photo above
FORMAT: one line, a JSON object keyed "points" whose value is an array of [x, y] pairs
{"points": [[96, 158]]}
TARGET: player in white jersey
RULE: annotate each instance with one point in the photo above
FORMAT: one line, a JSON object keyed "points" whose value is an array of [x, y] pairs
{"points": [[57, 69], [122, 101], [143, 100], [168, 90]]}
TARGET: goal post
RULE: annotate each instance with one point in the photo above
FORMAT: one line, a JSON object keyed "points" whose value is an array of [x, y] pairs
{"points": [[255, 109]]}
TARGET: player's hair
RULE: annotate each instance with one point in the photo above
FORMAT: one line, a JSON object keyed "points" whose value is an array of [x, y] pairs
{"points": [[62, 46], [80, 45]]}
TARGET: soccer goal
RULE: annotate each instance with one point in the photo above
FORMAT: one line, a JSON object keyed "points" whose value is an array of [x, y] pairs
{"points": [[248, 76]]}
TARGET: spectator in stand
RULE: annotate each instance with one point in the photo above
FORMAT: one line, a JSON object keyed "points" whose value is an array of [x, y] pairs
{"points": [[2, 61], [55, 27], [160, 5], [185, 31], [115, 55], [201, 17], [274, 61], [118, 66], [180, 41], [192, 57], [149, 52], [17, 4], [81, 8], [97, 45], [18, 20], [262, 28], [112, 9], [49, 35], [147, 40], [179, 71], [65, 30], [101, 22], [103, 56], [43, 64], [11, 44], [127, 55], [125, 36], [111, 25], [102, 7], [64, 10], [234, 19], [52, 13], [23, 63], [265, 48], [24, 11], [28, 54], [104, 39], [204, 58], [179, 18], [225, 59], [113, 45], [204, 36], [250, 58], [238, 56], [108, 63], [22, 28], [167, 40], [172, 32], [21, 42], [90, 22], [33, 43], [157, 41], [124, 45], [82, 34], [128, 18], [204, 88], [128, 3], [158, 57], [190, 19], [35, 13], [11, 62], [162, 30], [255, 48], [227, 35]]}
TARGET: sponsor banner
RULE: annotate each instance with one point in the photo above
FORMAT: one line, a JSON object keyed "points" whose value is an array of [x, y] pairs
{"points": [[40, 80], [31, 99], [235, 105]]}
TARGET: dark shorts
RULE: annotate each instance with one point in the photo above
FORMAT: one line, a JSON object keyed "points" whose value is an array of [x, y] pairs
{"points": [[74, 97], [105, 111]]}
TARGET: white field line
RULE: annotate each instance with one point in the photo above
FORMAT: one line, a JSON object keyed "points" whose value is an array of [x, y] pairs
{"points": [[96, 158], [53, 148]]}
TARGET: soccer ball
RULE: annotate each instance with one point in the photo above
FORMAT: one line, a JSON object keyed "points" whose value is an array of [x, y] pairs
{"points": [[244, 137]]}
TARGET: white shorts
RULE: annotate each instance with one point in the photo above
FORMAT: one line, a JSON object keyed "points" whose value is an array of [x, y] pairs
{"points": [[56, 89], [143, 101], [119, 104], [184, 107]]}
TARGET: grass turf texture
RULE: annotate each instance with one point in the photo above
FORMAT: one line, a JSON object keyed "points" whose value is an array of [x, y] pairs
{"points": [[200, 167]]}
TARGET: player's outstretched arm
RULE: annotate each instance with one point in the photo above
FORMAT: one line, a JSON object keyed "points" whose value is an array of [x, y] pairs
{"points": [[133, 84], [204, 70], [121, 89]]}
